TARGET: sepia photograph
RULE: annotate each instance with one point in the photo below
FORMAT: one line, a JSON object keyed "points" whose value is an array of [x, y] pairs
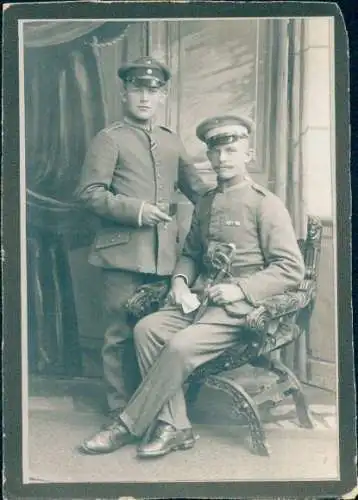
{"points": [[178, 221]]}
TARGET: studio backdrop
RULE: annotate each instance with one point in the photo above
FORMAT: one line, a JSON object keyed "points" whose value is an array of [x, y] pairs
{"points": [[263, 69]]}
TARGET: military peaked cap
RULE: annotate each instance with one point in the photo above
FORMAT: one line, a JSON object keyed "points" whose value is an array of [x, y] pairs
{"points": [[223, 129], [145, 71]]}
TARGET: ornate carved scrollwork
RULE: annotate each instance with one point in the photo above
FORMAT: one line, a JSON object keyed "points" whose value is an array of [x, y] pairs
{"points": [[288, 384], [258, 319], [243, 405], [147, 299]]}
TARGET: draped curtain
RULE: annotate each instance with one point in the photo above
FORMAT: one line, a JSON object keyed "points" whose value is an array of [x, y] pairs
{"points": [[71, 92], [46, 33], [62, 111], [65, 107], [284, 144], [284, 125]]}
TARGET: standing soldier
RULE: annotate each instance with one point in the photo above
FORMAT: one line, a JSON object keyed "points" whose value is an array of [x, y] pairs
{"points": [[129, 179], [173, 342]]}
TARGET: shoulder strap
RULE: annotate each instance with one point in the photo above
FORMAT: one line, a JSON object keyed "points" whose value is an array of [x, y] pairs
{"points": [[259, 189], [166, 129]]}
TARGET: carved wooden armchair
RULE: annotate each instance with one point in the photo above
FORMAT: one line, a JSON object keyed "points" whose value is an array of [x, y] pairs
{"points": [[276, 323]]}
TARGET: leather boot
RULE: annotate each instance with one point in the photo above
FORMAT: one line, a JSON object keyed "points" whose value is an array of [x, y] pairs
{"points": [[165, 439]]}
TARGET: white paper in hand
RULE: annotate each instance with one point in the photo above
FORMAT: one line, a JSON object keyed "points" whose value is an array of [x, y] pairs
{"points": [[191, 303]]}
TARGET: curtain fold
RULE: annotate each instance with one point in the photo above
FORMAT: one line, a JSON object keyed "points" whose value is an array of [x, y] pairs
{"points": [[295, 199], [286, 170], [284, 145], [63, 111], [46, 33], [297, 354], [71, 92]]}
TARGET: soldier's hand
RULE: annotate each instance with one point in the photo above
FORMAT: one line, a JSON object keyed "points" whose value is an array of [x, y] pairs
{"points": [[225, 293], [152, 215]]}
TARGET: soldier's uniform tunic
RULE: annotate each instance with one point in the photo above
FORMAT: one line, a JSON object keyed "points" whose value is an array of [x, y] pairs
{"points": [[267, 262], [127, 165]]}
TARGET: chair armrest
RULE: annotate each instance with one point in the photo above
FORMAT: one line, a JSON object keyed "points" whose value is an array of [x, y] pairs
{"points": [[151, 297], [278, 306], [147, 299]]}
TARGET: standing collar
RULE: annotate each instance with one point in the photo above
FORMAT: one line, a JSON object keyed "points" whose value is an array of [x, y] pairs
{"points": [[147, 126], [234, 182]]}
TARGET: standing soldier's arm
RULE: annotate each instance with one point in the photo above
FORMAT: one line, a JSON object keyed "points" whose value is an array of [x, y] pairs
{"points": [[284, 261], [189, 181], [95, 184], [189, 263]]}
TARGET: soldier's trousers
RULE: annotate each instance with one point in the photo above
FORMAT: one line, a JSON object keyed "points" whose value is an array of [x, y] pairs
{"points": [[120, 367], [169, 348]]}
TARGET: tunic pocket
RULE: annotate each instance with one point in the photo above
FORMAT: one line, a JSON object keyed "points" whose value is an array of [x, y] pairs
{"points": [[109, 239]]}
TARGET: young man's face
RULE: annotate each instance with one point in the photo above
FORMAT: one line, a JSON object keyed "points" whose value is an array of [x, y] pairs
{"points": [[229, 160], [142, 102]]}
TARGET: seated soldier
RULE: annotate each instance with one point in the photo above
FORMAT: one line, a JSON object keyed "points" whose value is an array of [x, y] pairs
{"points": [[174, 341]]}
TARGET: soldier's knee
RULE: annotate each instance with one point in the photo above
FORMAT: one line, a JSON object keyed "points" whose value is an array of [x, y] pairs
{"points": [[182, 348], [143, 329]]}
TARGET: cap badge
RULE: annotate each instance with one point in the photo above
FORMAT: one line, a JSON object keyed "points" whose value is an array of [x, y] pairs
{"points": [[149, 71]]}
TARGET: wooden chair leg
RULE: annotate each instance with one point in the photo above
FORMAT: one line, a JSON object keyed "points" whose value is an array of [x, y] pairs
{"points": [[302, 409], [243, 405], [296, 390], [286, 385]]}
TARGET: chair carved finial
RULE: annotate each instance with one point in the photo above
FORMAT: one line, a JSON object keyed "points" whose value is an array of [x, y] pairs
{"points": [[314, 229], [313, 246]]}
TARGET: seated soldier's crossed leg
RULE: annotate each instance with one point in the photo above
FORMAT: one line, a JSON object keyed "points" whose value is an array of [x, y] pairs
{"points": [[169, 348], [174, 347]]}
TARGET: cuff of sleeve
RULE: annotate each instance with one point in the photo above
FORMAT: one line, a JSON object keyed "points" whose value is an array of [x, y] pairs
{"points": [[185, 278], [140, 222]]}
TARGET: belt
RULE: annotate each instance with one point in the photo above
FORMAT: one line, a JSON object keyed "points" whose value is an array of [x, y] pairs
{"points": [[236, 271], [239, 271]]}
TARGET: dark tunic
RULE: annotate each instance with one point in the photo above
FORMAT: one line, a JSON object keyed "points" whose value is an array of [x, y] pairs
{"points": [[267, 260], [125, 166]]}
